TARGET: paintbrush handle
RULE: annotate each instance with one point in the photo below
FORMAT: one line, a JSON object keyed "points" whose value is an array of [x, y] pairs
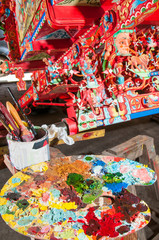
{"points": [[26, 135], [7, 127], [9, 118], [15, 114], [22, 112]]}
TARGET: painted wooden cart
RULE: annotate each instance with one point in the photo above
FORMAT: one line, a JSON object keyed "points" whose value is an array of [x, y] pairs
{"points": [[100, 58]]}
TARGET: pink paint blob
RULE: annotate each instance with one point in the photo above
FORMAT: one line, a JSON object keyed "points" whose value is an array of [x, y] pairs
{"points": [[45, 229], [142, 174], [46, 196], [124, 168]]}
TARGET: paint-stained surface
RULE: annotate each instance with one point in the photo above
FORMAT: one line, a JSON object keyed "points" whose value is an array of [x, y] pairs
{"points": [[82, 197]]}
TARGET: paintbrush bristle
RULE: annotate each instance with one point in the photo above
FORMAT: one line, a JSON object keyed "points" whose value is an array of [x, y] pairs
{"points": [[26, 135], [27, 138]]}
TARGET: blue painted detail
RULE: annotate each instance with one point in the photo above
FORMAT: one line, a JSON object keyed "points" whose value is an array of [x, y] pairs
{"points": [[52, 2], [135, 4], [144, 113], [130, 25], [130, 93], [117, 119], [37, 27], [127, 105], [120, 79], [59, 34], [100, 123], [7, 12], [155, 73], [23, 54]]}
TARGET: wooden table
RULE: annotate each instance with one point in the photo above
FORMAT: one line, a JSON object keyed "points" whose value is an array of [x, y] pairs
{"points": [[77, 197]]}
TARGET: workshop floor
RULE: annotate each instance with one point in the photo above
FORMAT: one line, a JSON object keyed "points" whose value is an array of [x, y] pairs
{"points": [[115, 135]]}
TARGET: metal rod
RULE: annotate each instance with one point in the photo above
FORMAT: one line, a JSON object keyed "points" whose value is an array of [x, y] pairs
{"points": [[49, 104]]}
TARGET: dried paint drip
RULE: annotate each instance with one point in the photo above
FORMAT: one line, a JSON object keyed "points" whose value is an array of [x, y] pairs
{"points": [[82, 197]]}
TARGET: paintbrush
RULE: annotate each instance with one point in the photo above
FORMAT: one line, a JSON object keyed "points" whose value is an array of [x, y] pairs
{"points": [[23, 114], [26, 135], [9, 120], [7, 126]]}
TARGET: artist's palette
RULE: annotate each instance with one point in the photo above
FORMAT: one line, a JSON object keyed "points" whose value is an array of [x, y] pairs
{"points": [[78, 197]]}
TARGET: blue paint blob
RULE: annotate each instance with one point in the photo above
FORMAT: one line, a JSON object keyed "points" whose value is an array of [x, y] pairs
{"points": [[26, 220], [70, 214], [58, 215], [16, 180], [113, 168], [116, 187], [3, 209], [82, 236], [55, 192], [99, 163], [77, 225]]}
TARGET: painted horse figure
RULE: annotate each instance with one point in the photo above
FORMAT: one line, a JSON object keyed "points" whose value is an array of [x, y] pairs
{"points": [[139, 62]]}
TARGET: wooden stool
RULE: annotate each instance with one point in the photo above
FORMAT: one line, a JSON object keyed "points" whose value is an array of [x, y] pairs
{"points": [[141, 148]]}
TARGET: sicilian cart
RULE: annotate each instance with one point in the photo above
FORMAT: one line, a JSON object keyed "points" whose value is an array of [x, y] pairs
{"points": [[98, 59]]}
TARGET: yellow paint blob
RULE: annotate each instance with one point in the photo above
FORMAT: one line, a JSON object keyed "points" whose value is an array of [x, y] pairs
{"points": [[64, 205], [18, 212], [8, 217], [43, 208], [22, 176], [22, 230], [12, 224], [3, 201], [40, 167], [139, 166], [37, 192]]}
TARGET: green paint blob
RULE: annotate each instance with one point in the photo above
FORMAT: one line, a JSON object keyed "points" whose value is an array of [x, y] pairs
{"points": [[81, 185], [94, 184], [143, 10], [67, 234], [77, 181], [34, 211], [3, 209], [90, 197], [9, 212], [113, 177], [88, 158], [74, 179], [23, 204], [147, 184]]}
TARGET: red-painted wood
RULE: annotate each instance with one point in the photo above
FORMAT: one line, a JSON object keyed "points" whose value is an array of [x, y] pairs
{"points": [[75, 15], [45, 45]]}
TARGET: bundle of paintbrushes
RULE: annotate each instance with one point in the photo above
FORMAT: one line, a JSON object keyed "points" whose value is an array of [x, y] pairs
{"points": [[11, 120]]}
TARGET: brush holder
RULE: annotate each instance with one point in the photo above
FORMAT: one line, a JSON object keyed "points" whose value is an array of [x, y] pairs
{"points": [[24, 154]]}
